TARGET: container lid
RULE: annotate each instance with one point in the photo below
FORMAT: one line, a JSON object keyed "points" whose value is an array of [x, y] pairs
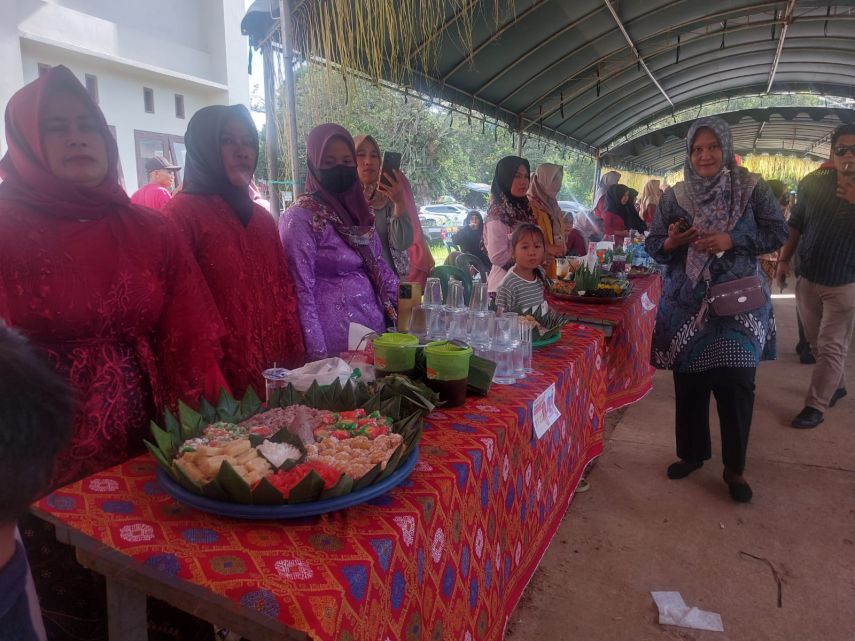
{"points": [[446, 361], [276, 374], [395, 339]]}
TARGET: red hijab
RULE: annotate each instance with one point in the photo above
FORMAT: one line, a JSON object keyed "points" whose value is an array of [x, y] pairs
{"points": [[28, 181]]}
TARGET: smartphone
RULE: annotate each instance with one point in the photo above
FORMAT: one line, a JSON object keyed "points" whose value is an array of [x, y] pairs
{"points": [[683, 225], [391, 161]]}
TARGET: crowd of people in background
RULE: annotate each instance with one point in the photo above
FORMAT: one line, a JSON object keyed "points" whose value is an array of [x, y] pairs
{"points": [[137, 303]]}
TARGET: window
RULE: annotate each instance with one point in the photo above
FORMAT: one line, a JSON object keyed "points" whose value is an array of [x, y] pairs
{"points": [[43, 69], [92, 86], [179, 105], [148, 99]]}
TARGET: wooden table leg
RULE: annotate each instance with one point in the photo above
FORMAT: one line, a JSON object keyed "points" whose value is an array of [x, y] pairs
{"points": [[126, 609]]}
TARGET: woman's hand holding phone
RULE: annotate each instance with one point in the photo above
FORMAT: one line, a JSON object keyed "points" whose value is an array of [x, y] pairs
{"points": [[679, 233]]}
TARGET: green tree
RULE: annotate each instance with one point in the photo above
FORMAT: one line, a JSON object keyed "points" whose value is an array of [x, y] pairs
{"points": [[441, 150]]}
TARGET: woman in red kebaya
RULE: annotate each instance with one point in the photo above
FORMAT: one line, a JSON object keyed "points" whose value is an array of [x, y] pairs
{"points": [[105, 288], [236, 245], [109, 293]]}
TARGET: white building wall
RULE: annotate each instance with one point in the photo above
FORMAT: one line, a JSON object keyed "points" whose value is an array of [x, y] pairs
{"points": [[190, 47]]}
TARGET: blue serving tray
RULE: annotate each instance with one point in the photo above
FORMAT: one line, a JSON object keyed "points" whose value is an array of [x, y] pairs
{"points": [[276, 512]]}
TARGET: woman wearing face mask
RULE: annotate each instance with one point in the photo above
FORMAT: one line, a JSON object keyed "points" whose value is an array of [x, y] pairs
{"points": [[108, 292], [392, 203], [333, 248], [234, 241], [509, 207]]}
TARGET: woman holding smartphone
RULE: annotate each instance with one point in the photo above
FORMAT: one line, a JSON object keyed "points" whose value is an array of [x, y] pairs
{"points": [[391, 200]]}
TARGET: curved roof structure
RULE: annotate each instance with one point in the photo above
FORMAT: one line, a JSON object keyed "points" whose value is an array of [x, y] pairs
{"points": [[803, 131], [585, 72]]}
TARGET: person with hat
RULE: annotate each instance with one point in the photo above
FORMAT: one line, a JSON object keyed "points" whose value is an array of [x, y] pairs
{"points": [[161, 180]]}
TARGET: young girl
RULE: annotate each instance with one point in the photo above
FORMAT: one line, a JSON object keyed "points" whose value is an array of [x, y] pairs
{"points": [[522, 288]]}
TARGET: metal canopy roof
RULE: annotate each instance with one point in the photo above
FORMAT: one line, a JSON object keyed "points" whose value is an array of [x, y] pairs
{"points": [[803, 131], [587, 71]]}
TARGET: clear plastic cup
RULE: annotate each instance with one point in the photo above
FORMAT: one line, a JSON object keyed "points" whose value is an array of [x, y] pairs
{"points": [[457, 323], [456, 299], [274, 378], [480, 300], [438, 328], [525, 337], [433, 293]]}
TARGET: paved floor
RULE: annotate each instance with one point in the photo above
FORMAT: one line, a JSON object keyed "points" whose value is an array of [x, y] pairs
{"points": [[637, 531]]}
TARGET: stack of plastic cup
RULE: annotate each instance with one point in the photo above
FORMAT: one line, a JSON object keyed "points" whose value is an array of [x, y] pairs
{"points": [[481, 332], [432, 301], [525, 339], [505, 341], [456, 312]]}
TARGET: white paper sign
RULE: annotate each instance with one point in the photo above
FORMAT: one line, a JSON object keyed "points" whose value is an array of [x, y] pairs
{"points": [[646, 303], [544, 411]]}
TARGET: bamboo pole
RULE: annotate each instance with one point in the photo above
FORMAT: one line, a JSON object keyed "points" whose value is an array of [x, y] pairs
{"points": [[270, 138], [286, 29], [598, 170]]}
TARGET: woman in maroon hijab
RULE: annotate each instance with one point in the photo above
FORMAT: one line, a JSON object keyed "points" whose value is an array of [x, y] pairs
{"points": [[235, 243], [105, 288]]}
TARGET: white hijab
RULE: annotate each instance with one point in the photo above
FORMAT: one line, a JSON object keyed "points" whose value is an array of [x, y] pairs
{"points": [[607, 180]]}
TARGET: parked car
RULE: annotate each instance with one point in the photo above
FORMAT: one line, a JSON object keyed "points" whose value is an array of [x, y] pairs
{"points": [[437, 226], [453, 211]]}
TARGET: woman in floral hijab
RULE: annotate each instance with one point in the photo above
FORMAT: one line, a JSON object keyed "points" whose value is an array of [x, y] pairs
{"points": [[509, 207], [708, 230]]}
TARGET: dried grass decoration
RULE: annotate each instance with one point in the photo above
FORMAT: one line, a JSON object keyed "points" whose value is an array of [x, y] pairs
{"points": [[388, 39], [406, 403]]}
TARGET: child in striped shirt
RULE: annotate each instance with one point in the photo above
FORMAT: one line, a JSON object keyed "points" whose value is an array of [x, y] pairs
{"points": [[522, 288]]}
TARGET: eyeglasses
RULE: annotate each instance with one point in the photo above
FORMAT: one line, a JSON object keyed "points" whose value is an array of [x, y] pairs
{"points": [[840, 150]]}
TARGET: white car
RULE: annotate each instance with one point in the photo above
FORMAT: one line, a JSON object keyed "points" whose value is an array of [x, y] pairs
{"points": [[436, 227], [454, 212]]}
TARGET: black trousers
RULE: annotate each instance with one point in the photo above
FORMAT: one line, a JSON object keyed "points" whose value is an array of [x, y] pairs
{"points": [[733, 388]]}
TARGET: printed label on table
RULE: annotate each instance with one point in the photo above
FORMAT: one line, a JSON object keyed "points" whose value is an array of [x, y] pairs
{"points": [[646, 303], [544, 411]]}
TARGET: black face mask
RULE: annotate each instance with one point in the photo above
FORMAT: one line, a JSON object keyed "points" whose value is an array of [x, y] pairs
{"points": [[338, 179]]}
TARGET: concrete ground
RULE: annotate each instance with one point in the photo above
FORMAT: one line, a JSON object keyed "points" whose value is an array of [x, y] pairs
{"points": [[637, 531]]}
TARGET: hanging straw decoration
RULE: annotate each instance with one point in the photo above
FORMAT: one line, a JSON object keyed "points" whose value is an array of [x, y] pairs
{"points": [[388, 39]]}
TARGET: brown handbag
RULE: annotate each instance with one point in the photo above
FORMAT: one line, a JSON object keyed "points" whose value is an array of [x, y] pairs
{"points": [[736, 296], [731, 298]]}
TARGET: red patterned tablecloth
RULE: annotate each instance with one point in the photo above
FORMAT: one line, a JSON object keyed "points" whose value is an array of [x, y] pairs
{"points": [[629, 373], [446, 555]]}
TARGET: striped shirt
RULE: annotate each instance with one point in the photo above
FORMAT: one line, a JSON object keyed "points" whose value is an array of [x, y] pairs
{"points": [[827, 225], [516, 294]]}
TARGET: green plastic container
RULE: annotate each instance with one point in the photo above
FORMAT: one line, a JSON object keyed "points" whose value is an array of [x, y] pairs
{"points": [[447, 368], [390, 355], [446, 361]]}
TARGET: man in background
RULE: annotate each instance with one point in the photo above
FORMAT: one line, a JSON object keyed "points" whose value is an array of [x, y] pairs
{"points": [[822, 231], [35, 422], [161, 180]]}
